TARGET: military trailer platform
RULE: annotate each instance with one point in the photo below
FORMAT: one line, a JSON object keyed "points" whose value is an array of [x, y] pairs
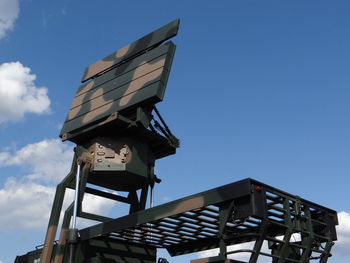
{"points": [[236, 213], [120, 135]]}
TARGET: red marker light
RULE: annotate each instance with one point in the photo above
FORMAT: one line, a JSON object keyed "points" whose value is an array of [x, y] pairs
{"points": [[258, 188]]}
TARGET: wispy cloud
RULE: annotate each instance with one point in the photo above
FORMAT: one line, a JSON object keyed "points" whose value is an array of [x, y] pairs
{"points": [[47, 161], [25, 203], [9, 11]]}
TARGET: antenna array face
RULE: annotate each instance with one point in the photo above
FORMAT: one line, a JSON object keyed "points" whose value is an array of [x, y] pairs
{"points": [[134, 76]]}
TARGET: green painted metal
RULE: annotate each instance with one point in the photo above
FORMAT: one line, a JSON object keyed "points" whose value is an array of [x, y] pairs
{"points": [[61, 247], [59, 253], [139, 81], [55, 213], [285, 215], [120, 134], [141, 45], [223, 216], [259, 242]]}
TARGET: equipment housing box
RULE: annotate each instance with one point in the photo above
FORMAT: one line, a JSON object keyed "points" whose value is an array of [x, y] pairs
{"points": [[120, 163]]}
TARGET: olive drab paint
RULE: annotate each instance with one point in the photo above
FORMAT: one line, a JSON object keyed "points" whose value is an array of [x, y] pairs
{"points": [[119, 135], [111, 121], [135, 75], [148, 41]]}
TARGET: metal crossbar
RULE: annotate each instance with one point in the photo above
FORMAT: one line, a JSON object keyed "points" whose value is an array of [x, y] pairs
{"points": [[241, 212]]}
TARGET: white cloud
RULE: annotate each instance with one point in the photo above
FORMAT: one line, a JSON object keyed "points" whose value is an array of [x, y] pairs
{"points": [[18, 93], [97, 205], [26, 203], [47, 161], [9, 10], [244, 256], [341, 247]]}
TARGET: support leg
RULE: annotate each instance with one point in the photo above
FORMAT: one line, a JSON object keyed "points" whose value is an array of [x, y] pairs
{"points": [[55, 214], [62, 241]]}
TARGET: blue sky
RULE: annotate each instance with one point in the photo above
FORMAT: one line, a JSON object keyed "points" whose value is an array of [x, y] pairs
{"points": [[258, 89]]}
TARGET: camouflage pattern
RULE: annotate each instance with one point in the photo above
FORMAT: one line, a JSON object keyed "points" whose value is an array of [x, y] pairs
{"points": [[111, 116], [140, 81], [119, 163], [141, 45], [132, 79], [240, 212], [102, 248], [51, 232]]}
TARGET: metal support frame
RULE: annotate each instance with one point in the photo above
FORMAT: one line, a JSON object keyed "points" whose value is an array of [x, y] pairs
{"points": [[240, 212], [236, 213], [77, 179], [58, 257], [55, 213], [244, 211]]}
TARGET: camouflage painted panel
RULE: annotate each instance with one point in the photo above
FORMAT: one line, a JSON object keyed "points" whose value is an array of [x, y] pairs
{"points": [[217, 195], [133, 49], [123, 72], [136, 82]]}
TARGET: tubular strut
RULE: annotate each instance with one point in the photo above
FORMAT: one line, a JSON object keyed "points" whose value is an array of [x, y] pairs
{"points": [[165, 129]]}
